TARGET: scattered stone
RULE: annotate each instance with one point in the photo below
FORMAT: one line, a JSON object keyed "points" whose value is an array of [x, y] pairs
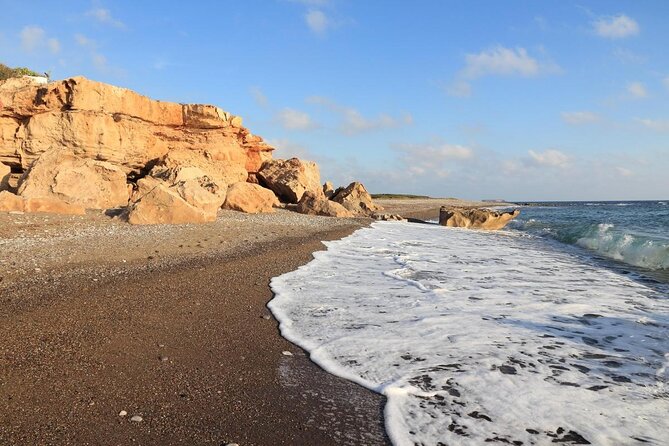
{"points": [[286, 353], [137, 419], [163, 358], [388, 217], [475, 218], [290, 179], [122, 413]]}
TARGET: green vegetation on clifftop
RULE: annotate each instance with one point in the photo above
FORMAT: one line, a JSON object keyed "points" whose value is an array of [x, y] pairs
{"points": [[8, 72]]}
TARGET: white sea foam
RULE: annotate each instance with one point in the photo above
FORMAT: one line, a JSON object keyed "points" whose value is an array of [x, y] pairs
{"points": [[478, 336]]}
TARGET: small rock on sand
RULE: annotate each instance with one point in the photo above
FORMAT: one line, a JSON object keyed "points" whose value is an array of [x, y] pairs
{"points": [[122, 413], [137, 419], [287, 353]]}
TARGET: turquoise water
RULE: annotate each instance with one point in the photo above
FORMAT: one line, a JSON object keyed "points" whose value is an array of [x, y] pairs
{"points": [[635, 233]]}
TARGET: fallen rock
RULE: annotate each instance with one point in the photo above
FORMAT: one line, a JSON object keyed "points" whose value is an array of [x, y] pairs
{"points": [[183, 164], [89, 183], [250, 198], [388, 217], [475, 218], [14, 203], [356, 199], [5, 174], [290, 179], [318, 204], [202, 193], [328, 189], [155, 202]]}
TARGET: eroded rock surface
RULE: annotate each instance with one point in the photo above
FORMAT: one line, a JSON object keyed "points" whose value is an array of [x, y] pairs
{"points": [[356, 199], [475, 218], [250, 198], [5, 175], [290, 179], [318, 204]]}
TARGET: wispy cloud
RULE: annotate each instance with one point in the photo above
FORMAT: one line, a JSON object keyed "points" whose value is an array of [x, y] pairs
{"points": [[33, 38], [98, 60], [353, 122], [434, 158], [659, 125], [665, 82], [549, 158], [499, 61], [637, 90], [580, 117], [259, 96], [104, 16], [291, 119], [616, 27], [317, 21], [624, 172]]}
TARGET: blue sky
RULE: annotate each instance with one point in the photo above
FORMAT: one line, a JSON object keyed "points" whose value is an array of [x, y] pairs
{"points": [[523, 100]]}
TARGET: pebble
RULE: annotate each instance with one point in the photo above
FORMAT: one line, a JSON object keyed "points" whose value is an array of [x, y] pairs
{"points": [[286, 353], [137, 419], [122, 413], [163, 358]]}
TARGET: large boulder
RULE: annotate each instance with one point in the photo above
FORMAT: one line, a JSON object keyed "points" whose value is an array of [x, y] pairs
{"points": [[318, 204], [356, 199], [250, 198], [290, 179], [155, 202], [182, 164], [202, 193], [89, 183], [5, 174], [475, 218], [14, 203]]}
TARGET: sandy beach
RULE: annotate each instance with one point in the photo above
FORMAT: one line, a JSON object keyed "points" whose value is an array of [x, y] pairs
{"points": [[167, 323]]}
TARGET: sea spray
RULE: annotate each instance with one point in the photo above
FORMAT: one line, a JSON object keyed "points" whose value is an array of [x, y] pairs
{"points": [[478, 336]]}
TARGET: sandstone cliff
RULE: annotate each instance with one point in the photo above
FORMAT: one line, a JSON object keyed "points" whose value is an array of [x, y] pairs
{"points": [[106, 123]]}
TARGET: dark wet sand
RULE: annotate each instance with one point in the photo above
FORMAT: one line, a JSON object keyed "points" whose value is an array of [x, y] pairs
{"points": [[185, 346]]}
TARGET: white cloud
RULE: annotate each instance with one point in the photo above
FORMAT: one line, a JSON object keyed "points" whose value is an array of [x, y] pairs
{"points": [[317, 21], [434, 158], [580, 117], [637, 90], [99, 61], [460, 89], [259, 97], [501, 61], [628, 56], [616, 27], [353, 122], [292, 119], [84, 41], [659, 125], [32, 37], [103, 15], [623, 172], [289, 149], [53, 45], [550, 158], [665, 82]]}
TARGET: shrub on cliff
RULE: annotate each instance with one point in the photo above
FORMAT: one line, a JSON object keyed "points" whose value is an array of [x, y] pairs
{"points": [[8, 72]]}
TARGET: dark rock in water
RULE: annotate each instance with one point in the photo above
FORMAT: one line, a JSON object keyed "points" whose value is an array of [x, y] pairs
{"points": [[475, 218]]}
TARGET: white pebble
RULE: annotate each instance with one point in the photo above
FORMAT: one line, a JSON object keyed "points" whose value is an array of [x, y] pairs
{"points": [[137, 419], [122, 413], [287, 353]]}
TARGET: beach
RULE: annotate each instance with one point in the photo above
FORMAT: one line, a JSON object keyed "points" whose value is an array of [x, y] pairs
{"points": [[168, 323]]}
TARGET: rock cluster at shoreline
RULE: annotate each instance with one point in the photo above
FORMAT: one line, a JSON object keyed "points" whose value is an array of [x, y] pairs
{"points": [[77, 144], [475, 218]]}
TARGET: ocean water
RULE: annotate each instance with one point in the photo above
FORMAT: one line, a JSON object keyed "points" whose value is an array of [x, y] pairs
{"points": [[525, 336]]}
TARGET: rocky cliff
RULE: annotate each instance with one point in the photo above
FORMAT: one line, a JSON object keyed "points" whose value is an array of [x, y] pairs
{"points": [[102, 122], [77, 144]]}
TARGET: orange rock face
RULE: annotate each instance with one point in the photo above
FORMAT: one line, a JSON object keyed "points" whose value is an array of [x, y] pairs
{"points": [[107, 123], [290, 179], [250, 198], [356, 199]]}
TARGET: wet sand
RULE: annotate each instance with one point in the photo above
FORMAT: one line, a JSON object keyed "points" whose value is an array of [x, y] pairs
{"points": [[168, 323]]}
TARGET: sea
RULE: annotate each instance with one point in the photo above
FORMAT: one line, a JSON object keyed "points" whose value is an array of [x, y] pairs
{"points": [[554, 330]]}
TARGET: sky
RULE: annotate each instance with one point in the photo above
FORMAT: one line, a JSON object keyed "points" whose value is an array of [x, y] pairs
{"points": [[518, 100]]}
